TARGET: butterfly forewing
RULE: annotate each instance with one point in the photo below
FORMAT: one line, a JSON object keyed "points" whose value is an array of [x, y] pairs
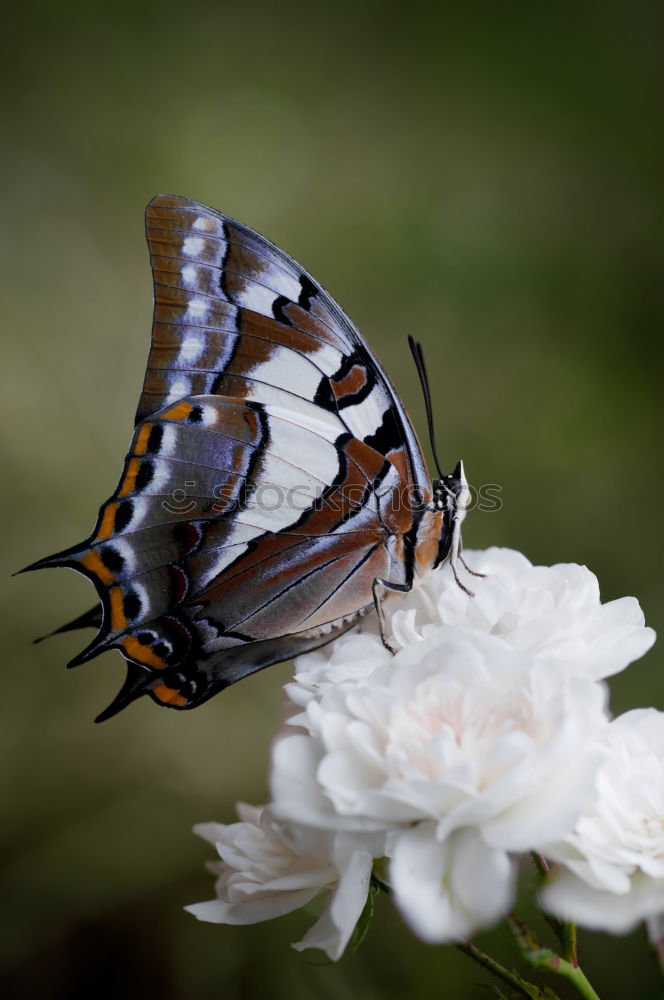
{"points": [[229, 305]]}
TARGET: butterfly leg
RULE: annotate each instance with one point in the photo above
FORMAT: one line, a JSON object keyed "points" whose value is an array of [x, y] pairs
{"points": [[465, 565], [455, 554], [381, 588]]}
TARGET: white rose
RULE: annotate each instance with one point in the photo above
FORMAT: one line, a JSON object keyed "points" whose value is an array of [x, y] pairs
{"points": [[460, 733], [550, 610], [269, 868], [612, 874]]}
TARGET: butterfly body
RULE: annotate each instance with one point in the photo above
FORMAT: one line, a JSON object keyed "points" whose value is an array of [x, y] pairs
{"points": [[273, 481]]}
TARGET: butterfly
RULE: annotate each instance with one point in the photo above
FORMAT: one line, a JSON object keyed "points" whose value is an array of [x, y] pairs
{"points": [[274, 491]]}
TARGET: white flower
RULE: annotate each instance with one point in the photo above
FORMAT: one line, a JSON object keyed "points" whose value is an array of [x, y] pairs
{"points": [[613, 862], [487, 748], [351, 657], [269, 868], [550, 610], [481, 738]]}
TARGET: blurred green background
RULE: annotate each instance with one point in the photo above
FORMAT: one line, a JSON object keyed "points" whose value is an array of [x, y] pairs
{"points": [[486, 176]]}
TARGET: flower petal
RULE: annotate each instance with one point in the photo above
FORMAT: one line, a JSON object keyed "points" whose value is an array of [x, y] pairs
{"points": [[447, 891], [332, 931], [253, 911], [574, 900]]}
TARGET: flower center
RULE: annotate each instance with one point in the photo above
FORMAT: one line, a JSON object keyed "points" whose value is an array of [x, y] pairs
{"points": [[443, 726]]}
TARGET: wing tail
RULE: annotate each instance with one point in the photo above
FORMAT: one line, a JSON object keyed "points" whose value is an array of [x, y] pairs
{"points": [[89, 619]]}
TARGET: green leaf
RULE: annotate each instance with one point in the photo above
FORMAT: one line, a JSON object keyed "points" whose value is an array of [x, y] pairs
{"points": [[362, 927]]}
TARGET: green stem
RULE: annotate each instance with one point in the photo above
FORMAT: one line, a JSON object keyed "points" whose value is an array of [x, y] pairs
{"points": [[557, 926], [569, 944], [523, 988], [546, 959], [539, 957], [566, 933]]}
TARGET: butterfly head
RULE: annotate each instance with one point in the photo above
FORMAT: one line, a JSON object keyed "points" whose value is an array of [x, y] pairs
{"points": [[451, 497], [452, 493]]}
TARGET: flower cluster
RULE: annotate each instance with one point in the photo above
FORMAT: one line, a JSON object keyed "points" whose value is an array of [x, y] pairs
{"points": [[486, 735]]}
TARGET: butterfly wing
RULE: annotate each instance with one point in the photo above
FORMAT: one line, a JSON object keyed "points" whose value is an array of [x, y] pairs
{"points": [[271, 469], [236, 316]]}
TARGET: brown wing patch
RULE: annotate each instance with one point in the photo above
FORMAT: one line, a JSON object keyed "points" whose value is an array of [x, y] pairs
{"points": [[353, 382]]}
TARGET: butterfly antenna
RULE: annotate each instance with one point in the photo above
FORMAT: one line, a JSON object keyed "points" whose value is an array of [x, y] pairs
{"points": [[418, 357]]}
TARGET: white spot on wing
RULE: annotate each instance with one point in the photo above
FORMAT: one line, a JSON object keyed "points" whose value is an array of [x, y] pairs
{"points": [[139, 510], [270, 514], [197, 308], [302, 411], [366, 417], [192, 246], [297, 482], [168, 439], [236, 543], [257, 298], [188, 274], [127, 553], [161, 473], [178, 389], [210, 415], [192, 347], [296, 444], [328, 358], [321, 422], [282, 282], [142, 595], [289, 371], [202, 224]]}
